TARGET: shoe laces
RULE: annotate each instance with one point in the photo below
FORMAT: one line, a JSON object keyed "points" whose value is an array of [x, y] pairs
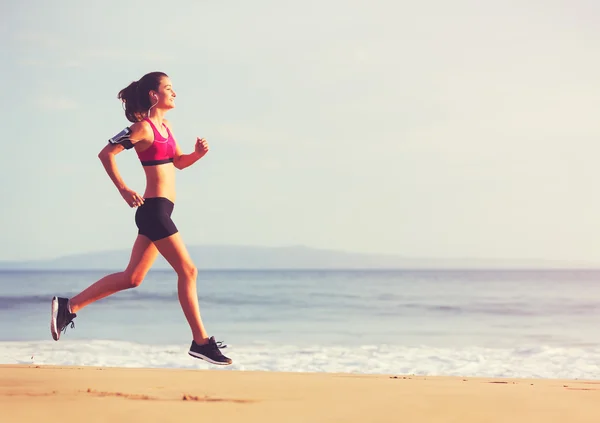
{"points": [[217, 344], [69, 322]]}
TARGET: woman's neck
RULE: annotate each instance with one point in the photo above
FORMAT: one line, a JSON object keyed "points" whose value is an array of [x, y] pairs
{"points": [[157, 116]]}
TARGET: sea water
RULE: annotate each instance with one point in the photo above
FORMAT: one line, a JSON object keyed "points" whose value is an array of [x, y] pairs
{"points": [[491, 323]]}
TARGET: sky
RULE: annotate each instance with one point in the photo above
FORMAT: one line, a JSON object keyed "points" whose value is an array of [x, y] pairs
{"points": [[463, 129]]}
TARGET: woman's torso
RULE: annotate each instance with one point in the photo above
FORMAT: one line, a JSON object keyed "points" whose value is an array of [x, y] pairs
{"points": [[157, 161]]}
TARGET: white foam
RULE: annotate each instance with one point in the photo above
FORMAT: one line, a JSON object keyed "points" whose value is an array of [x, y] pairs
{"points": [[534, 362]]}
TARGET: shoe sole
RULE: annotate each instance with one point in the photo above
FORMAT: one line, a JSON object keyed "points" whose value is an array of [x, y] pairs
{"points": [[53, 316], [205, 358]]}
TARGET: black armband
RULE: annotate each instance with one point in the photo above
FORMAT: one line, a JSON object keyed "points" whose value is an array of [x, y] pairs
{"points": [[122, 138]]}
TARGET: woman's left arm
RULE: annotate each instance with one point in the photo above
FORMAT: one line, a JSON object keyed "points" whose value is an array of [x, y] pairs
{"points": [[180, 160]]}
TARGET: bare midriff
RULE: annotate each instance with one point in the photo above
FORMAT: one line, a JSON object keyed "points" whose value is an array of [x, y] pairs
{"points": [[160, 181]]}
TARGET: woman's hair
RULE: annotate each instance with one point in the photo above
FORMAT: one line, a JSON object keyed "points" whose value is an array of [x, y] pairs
{"points": [[135, 96]]}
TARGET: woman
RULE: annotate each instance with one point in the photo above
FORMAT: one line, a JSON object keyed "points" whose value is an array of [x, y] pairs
{"points": [[146, 102]]}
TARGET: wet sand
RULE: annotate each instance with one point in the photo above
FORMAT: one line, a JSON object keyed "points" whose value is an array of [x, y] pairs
{"points": [[34, 394]]}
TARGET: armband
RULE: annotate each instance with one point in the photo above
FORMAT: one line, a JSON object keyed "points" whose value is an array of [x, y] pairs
{"points": [[122, 138]]}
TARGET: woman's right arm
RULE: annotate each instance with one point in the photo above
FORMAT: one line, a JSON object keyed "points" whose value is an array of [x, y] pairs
{"points": [[107, 157]]}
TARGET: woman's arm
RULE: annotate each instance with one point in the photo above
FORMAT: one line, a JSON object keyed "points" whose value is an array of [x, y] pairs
{"points": [[180, 160], [107, 155]]}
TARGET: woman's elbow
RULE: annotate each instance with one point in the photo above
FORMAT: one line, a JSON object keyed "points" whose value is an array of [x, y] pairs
{"points": [[109, 151], [104, 155]]}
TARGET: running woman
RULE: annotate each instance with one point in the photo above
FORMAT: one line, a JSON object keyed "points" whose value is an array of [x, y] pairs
{"points": [[146, 103]]}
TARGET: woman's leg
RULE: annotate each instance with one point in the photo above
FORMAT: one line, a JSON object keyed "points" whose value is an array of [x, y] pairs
{"points": [[142, 257], [174, 251]]}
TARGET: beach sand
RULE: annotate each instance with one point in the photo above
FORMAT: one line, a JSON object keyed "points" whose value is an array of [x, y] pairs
{"points": [[30, 393]]}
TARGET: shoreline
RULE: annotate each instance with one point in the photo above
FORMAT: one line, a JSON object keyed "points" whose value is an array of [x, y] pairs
{"points": [[99, 394]]}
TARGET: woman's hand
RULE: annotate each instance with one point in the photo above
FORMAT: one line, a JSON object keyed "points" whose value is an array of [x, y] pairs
{"points": [[201, 147], [131, 197]]}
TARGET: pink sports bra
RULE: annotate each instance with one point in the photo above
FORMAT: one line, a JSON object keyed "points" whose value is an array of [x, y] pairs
{"points": [[162, 149]]}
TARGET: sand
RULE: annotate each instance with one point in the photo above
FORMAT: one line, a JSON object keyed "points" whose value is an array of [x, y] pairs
{"points": [[30, 393]]}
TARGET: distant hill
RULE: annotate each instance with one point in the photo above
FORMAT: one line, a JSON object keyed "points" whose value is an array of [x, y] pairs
{"points": [[294, 257]]}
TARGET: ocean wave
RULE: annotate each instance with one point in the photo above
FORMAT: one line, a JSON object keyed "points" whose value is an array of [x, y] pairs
{"points": [[473, 361], [334, 302], [134, 296]]}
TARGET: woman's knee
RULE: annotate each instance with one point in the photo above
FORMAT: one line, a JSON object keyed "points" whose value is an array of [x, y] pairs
{"points": [[188, 271], [133, 279]]}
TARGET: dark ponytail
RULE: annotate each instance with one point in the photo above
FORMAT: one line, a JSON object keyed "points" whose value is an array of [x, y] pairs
{"points": [[135, 96]]}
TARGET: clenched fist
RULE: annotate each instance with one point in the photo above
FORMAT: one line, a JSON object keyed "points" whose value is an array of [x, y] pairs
{"points": [[201, 146]]}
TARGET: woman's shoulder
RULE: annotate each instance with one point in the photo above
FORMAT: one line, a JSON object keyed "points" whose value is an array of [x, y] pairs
{"points": [[141, 131]]}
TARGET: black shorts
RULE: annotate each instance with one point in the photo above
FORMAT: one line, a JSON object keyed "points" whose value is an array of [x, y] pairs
{"points": [[153, 218]]}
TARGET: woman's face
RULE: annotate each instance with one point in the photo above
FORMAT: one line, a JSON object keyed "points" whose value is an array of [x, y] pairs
{"points": [[166, 95]]}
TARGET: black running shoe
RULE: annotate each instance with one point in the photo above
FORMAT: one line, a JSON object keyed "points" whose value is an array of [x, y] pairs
{"points": [[210, 352], [60, 317]]}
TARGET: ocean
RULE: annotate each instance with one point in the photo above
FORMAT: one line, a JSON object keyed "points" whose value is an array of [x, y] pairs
{"points": [[489, 323]]}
